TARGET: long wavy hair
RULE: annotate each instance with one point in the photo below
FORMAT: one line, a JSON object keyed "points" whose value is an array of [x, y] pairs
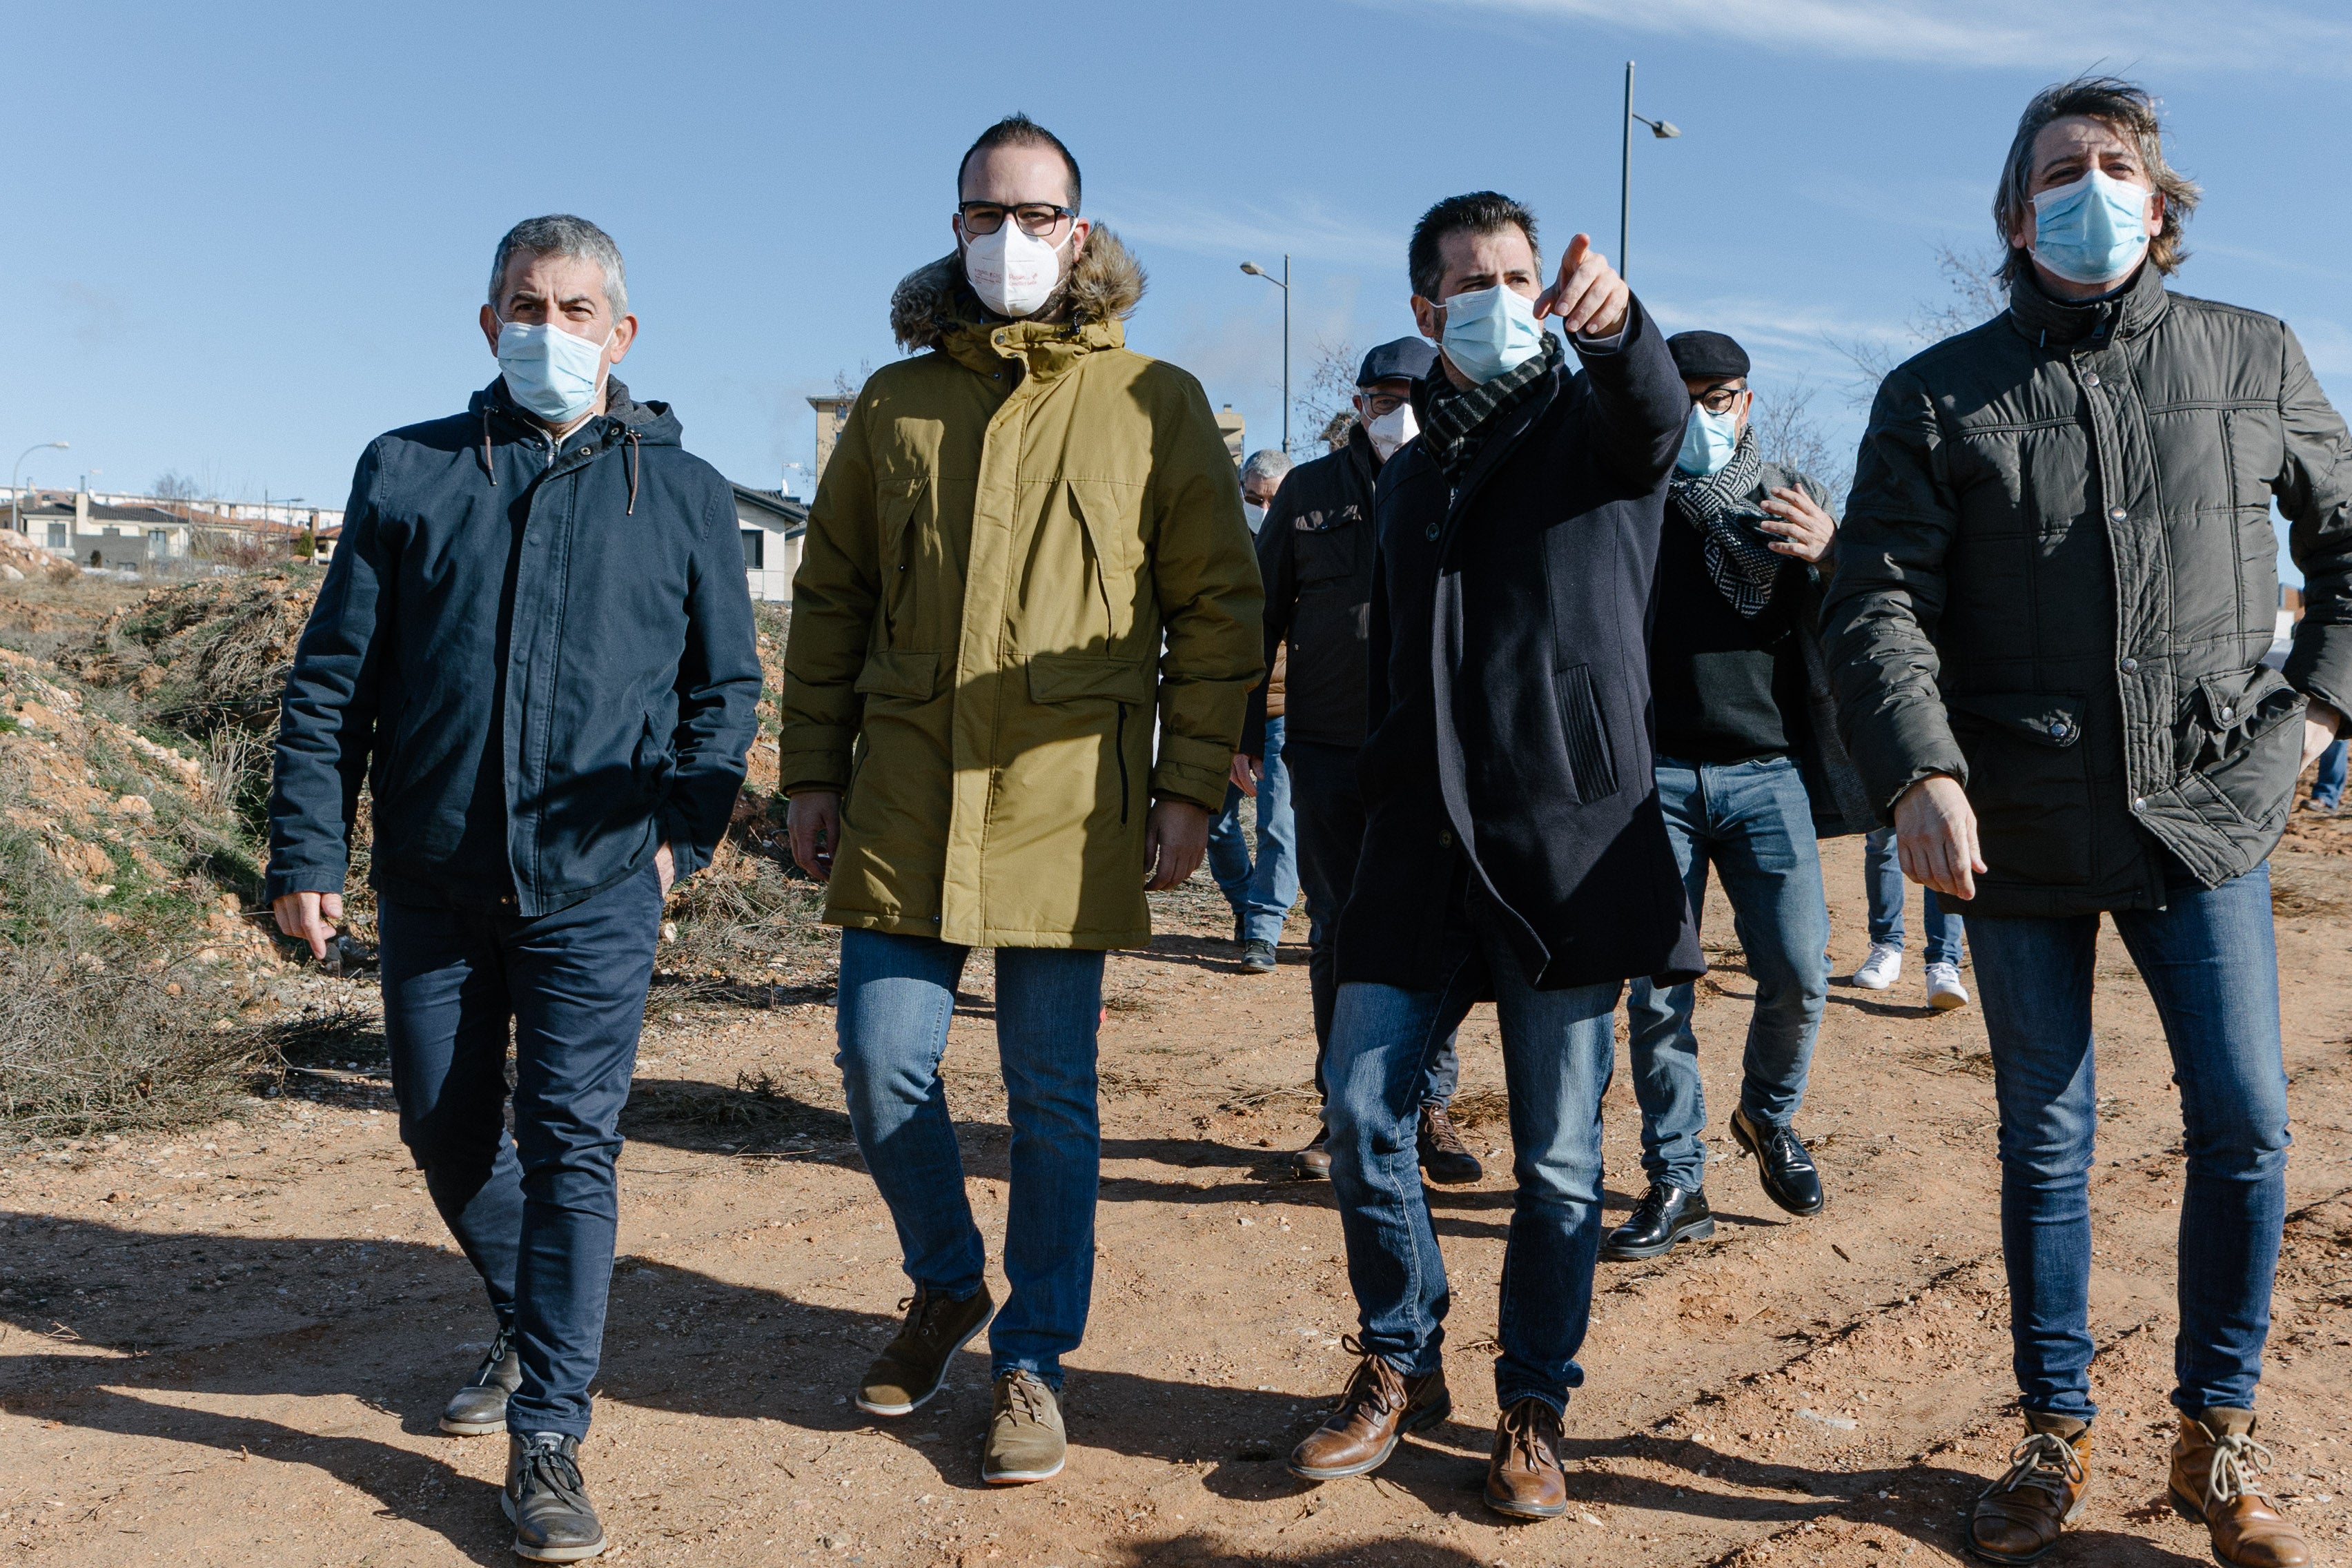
{"points": [[2133, 111]]}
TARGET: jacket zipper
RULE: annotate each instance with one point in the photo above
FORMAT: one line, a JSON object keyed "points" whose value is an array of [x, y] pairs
{"points": [[1124, 788]]}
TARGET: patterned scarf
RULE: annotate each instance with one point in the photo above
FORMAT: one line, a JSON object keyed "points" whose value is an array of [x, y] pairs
{"points": [[1742, 567], [1459, 418]]}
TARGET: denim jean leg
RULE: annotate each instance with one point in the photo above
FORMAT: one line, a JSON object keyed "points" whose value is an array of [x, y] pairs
{"points": [[2035, 977], [1048, 1003], [1381, 1039], [1558, 1048], [1944, 944], [1274, 879], [1659, 1043], [1881, 883], [897, 993], [446, 1019], [2328, 785], [577, 981], [2211, 962], [1765, 852], [1228, 854]]}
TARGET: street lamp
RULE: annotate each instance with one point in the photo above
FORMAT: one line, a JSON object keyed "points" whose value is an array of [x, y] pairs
{"points": [[1283, 283], [1663, 129], [16, 511]]}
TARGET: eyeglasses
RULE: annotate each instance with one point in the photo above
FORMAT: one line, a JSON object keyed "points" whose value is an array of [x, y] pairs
{"points": [[1719, 399], [1383, 402], [1037, 220]]}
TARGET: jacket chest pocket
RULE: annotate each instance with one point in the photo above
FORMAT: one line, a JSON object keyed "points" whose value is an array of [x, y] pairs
{"points": [[901, 559], [1110, 526], [2029, 783], [1327, 553]]}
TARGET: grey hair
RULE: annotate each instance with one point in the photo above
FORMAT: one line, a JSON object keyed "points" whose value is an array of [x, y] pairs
{"points": [[560, 234], [1265, 463], [2132, 113]]}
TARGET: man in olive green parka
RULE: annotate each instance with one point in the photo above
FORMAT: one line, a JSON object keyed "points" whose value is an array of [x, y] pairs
{"points": [[1027, 547]]}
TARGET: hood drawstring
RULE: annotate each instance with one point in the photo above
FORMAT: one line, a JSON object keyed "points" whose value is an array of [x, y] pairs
{"points": [[486, 467], [629, 450]]}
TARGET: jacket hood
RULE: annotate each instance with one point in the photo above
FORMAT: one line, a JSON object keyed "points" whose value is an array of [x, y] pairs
{"points": [[653, 422], [1106, 286]]}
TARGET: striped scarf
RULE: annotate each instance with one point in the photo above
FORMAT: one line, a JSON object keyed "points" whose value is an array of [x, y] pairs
{"points": [[1742, 567], [1457, 419]]}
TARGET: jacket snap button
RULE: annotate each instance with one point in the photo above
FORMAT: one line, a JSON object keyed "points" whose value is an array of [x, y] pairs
{"points": [[584, 451], [1445, 839], [2130, 665], [2059, 729], [2227, 711], [2090, 378], [2119, 513], [2139, 803]]}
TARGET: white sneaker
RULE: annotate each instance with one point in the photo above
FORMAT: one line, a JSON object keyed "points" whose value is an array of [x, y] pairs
{"points": [[1882, 969], [1944, 991]]}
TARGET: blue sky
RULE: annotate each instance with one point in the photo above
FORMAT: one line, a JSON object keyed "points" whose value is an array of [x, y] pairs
{"points": [[247, 239]]}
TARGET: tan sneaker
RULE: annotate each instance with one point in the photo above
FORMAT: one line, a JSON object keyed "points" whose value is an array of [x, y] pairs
{"points": [[1025, 1441], [2021, 1515], [2215, 1466], [914, 1366]]}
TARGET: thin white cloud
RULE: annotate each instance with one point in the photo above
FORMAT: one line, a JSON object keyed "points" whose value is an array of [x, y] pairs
{"points": [[1308, 231], [2040, 35]]}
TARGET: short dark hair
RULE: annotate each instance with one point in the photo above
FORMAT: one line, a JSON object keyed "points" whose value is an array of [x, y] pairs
{"points": [[2132, 113], [1019, 130], [1480, 212]]}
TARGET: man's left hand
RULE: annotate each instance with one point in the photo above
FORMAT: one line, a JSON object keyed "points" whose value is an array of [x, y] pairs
{"points": [[1806, 531], [665, 867], [1590, 298], [1175, 840], [2321, 724], [1245, 773]]}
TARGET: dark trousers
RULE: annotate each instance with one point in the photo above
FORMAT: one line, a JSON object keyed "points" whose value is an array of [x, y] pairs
{"points": [[1330, 812], [536, 1213]]}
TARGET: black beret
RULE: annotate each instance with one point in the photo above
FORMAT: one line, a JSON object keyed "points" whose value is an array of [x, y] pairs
{"points": [[1706, 356], [1411, 358]]}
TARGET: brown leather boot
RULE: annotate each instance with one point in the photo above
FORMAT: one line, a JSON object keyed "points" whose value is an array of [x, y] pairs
{"points": [[1524, 1478], [2215, 1467], [2020, 1516], [1379, 1406]]}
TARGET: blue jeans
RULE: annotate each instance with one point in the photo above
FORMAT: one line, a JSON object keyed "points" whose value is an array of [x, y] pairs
{"points": [[2209, 964], [896, 994], [1558, 1049], [2327, 789], [1883, 880], [1329, 808], [534, 1214], [1753, 821], [1261, 894]]}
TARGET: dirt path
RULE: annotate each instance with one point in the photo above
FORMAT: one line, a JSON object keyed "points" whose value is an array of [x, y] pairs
{"points": [[229, 1348]]}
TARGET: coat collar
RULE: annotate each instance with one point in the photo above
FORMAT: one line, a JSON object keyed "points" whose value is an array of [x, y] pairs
{"points": [[2125, 314]]}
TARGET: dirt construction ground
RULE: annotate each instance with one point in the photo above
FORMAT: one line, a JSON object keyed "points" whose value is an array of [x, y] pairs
{"points": [[230, 1347]]}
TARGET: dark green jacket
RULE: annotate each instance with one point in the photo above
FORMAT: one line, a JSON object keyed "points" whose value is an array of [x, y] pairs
{"points": [[2057, 579]]}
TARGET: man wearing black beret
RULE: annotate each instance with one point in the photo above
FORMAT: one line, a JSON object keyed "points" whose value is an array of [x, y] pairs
{"points": [[1750, 771]]}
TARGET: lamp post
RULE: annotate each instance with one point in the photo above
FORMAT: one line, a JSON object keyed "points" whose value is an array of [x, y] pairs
{"points": [[15, 495], [1663, 129], [1283, 283]]}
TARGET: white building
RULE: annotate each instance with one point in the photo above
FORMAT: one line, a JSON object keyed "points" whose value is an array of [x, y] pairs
{"points": [[773, 525], [92, 532]]}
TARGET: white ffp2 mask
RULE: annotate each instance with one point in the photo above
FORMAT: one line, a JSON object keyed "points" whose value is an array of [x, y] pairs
{"points": [[1393, 430], [1013, 273]]}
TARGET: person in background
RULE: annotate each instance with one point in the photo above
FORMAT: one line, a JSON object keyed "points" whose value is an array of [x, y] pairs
{"points": [[1026, 544], [2327, 784], [2055, 589], [534, 795], [1260, 892], [1751, 772], [1315, 554], [1881, 883], [1513, 844]]}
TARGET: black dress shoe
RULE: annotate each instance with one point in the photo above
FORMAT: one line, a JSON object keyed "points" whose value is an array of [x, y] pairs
{"points": [[1314, 1163], [1667, 1214], [1444, 1158], [1782, 1165]]}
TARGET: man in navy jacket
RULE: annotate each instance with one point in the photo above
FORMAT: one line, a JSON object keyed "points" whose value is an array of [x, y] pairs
{"points": [[535, 647]]}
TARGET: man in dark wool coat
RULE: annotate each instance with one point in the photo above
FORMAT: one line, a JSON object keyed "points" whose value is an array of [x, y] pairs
{"points": [[1514, 849]]}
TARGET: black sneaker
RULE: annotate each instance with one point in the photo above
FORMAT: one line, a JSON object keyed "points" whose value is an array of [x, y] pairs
{"points": [[547, 1500], [914, 1365], [1444, 1158], [479, 1408], [1667, 1214], [1257, 958], [1782, 1165]]}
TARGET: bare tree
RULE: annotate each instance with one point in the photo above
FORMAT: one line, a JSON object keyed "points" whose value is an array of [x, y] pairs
{"points": [[1329, 402], [1973, 295], [173, 485], [844, 387], [1787, 434]]}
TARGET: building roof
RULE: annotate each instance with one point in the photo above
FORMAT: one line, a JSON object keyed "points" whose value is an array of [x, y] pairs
{"points": [[791, 516], [48, 509]]}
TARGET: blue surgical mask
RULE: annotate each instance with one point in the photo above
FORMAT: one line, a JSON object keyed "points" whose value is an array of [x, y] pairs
{"points": [[1490, 330], [1708, 441], [2092, 231], [552, 373]]}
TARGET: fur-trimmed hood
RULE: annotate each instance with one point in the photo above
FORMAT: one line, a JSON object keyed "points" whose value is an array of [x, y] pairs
{"points": [[1106, 286]]}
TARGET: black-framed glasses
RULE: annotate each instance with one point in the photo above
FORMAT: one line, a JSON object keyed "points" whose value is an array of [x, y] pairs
{"points": [[1385, 403], [1719, 399], [1037, 220]]}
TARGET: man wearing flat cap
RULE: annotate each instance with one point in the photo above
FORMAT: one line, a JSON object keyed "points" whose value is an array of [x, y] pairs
{"points": [[1749, 773], [1314, 552]]}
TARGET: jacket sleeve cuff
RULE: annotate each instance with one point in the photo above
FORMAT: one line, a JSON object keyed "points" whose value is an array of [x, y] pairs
{"points": [[686, 855], [813, 762], [277, 884], [1203, 787]]}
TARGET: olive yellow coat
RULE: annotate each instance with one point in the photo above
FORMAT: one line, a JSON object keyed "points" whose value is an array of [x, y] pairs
{"points": [[1027, 545]]}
